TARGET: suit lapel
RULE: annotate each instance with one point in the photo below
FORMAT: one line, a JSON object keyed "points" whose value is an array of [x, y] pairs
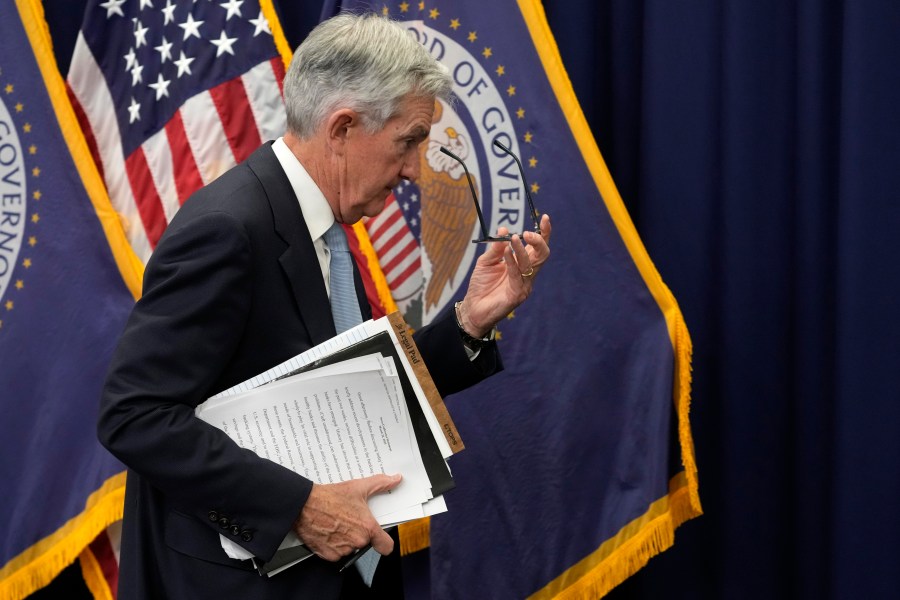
{"points": [[299, 262]]}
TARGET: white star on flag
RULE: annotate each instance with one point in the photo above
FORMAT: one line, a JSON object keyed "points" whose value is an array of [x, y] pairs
{"points": [[233, 7], [262, 26], [165, 50], [113, 7], [129, 59], [223, 44], [168, 12], [140, 34], [191, 27], [134, 111], [136, 71], [161, 86], [184, 64]]}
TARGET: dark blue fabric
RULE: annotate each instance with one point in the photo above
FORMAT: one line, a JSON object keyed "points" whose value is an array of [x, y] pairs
{"points": [[756, 146]]}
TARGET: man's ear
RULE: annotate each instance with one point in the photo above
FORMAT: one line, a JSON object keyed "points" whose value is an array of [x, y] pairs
{"points": [[338, 128]]}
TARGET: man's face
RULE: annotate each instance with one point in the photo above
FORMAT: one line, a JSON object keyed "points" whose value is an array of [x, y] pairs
{"points": [[375, 163]]}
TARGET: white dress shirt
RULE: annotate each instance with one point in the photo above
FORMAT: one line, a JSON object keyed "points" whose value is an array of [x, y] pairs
{"points": [[316, 211]]}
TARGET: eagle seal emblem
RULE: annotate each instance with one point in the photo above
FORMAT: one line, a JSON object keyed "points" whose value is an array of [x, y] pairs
{"points": [[423, 238], [13, 198]]}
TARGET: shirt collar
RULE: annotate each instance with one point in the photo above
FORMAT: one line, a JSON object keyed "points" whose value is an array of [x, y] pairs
{"points": [[315, 208]]}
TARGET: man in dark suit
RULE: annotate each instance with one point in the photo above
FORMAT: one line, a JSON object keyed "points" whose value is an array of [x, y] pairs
{"points": [[239, 283]]}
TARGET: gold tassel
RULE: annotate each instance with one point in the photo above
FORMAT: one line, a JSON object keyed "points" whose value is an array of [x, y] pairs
{"points": [[38, 565], [683, 352], [415, 536], [628, 551]]}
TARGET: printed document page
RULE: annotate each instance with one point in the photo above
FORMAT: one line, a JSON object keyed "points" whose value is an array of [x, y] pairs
{"points": [[329, 429]]}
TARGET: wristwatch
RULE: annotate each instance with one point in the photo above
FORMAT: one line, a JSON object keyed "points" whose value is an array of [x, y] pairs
{"points": [[472, 343]]}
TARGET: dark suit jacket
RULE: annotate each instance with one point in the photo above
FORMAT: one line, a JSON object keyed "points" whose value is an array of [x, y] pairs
{"points": [[233, 288]]}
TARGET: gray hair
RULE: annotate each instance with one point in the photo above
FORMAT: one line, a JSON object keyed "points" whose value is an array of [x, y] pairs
{"points": [[367, 63]]}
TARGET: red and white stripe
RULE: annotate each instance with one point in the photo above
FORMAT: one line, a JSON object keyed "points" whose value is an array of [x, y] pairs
{"points": [[94, 103], [211, 132], [397, 249]]}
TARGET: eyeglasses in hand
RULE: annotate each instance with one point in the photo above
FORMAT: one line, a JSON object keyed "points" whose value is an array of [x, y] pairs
{"points": [[485, 237]]}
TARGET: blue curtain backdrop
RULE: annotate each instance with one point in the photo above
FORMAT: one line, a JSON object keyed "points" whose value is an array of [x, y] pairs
{"points": [[757, 146]]}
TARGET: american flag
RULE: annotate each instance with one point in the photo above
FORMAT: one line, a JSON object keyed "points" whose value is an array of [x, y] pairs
{"points": [[395, 235], [170, 95]]}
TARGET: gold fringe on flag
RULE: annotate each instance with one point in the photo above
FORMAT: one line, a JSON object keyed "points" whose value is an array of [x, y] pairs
{"points": [[415, 536], [637, 542], [627, 552], [624, 554], [38, 565]]}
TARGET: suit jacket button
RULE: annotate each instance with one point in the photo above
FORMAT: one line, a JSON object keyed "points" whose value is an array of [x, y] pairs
{"points": [[213, 516], [224, 522], [235, 530], [247, 535]]}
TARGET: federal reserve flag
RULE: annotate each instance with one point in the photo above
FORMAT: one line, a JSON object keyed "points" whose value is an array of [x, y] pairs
{"points": [[579, 462], [67, 279]]}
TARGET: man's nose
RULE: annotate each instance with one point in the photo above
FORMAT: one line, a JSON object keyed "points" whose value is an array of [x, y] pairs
{"points": [[411, 168]]}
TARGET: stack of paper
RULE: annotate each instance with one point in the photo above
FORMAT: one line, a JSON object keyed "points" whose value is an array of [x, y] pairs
{"points": [[360, 404]]}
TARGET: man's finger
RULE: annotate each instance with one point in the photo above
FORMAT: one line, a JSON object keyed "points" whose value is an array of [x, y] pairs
{"points": [[539, 245], [377, 484], [546, 229], [382, 542], [512, 267], [522, 257], [493, 253]]}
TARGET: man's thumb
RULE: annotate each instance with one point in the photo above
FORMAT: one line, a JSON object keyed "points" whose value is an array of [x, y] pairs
{"points": [[382, 483]]}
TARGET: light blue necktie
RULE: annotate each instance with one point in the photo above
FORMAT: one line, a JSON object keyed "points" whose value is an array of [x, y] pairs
{"points": [[366, 564], [345, 310], [344, 302]]}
